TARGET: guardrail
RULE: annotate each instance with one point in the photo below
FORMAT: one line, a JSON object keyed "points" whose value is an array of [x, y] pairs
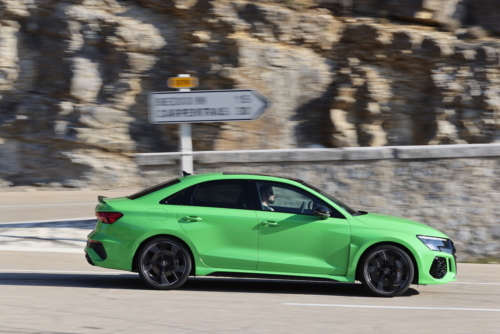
{"points": [[333, 154]]}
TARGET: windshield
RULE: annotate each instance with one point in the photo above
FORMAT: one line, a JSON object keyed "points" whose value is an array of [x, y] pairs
{"points": [[334, 200]]}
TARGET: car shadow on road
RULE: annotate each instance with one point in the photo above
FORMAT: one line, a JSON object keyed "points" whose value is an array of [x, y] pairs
{"points": [[246, 285], [206, 284]]}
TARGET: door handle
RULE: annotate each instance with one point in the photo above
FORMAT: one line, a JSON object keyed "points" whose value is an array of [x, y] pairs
{"points": [[269, 223], [192, 219]]}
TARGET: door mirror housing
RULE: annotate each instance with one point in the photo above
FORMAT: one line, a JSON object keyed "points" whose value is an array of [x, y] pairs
{"points": [[322, 211]]}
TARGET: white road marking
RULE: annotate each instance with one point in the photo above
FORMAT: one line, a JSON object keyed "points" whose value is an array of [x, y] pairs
{"points": [[399, 307], [474, 283], [23, 205], [65, 272]]}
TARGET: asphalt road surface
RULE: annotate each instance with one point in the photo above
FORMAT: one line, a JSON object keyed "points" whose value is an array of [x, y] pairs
{"points": [[46, 292]]}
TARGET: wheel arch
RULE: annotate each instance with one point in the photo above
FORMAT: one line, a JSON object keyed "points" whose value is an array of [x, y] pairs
{"points": [[403, 247], [137, 251]]}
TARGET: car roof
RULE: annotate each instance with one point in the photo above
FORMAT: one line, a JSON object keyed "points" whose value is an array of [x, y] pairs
{"points": [[267, 175], [243, 174], [188, 180]]}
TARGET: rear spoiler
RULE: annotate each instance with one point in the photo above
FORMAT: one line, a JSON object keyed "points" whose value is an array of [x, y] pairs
{"points": [[101, 199]]}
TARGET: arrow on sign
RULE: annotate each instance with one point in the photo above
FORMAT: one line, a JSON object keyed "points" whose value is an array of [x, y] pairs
{"points": [[206, 106]]}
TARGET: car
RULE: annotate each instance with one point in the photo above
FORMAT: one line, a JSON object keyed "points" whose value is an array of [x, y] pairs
{"points": [[254, 225]]}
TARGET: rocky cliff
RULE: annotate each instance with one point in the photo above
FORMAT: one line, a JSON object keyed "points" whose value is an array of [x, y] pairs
{"points": [[74, 79]]}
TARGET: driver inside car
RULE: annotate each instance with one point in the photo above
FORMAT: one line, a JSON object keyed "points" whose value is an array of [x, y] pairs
{"points": [[267, 197]]}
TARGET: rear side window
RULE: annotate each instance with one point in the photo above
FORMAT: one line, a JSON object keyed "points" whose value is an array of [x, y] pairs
{"points": [[154, 188], [230, 194], [182, 197]]}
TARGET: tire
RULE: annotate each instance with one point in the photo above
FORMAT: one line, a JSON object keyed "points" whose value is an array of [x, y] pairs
{"points": [[386, 271], [164, 263]]}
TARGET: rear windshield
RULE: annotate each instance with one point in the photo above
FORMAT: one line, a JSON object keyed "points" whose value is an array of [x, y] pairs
{"points": [[154, 188]]}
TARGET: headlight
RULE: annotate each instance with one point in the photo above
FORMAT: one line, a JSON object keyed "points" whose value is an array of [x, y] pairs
{"points": [[437, 244]]}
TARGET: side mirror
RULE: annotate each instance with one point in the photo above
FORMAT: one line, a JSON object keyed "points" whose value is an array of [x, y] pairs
{"points": [[321, 211]]}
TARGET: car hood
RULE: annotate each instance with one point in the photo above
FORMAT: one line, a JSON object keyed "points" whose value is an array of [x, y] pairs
{"points": [[399, 224]]}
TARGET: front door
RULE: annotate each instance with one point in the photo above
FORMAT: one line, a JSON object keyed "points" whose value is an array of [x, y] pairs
{"points": [[220, 222], [292, 240]]}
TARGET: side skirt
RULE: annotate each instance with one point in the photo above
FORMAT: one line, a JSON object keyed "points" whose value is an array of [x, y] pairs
{"points": [[270, 275]]}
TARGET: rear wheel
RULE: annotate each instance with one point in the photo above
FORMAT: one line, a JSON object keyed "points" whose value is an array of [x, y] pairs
{"points": [[164, 263], [386, 271]]}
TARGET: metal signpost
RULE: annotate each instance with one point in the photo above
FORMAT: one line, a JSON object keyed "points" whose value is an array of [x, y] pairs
{"points": [[184, 83], [186, 107]]}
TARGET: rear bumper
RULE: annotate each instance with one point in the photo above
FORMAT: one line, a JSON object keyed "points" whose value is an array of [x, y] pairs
{"points": [[98, 248], [89, 260], [104, 250]]}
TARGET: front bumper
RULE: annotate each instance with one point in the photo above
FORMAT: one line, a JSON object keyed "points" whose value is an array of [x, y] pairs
{"points": [[436, 267]]}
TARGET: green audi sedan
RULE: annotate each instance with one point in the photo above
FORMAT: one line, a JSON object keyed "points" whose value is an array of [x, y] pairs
{"points": [[251, 225]]}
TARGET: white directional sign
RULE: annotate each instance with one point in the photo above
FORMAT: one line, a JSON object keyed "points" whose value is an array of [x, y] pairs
{"points": [[206, 106]]}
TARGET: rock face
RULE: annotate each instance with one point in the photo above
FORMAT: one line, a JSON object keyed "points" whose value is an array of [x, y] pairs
{"points": [[484, 13], [427, 11], [449, 14], [75, 76]]}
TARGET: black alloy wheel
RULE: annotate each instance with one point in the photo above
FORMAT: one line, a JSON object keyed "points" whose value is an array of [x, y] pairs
{"points": [[386, 271], [164, 263]]}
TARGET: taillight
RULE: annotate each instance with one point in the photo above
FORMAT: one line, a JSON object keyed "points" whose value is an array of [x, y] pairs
{"points": [[108, 217]]}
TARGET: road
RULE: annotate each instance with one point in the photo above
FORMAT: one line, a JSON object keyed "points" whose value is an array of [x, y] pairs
{"points": [[46, 286], [61, 293]]}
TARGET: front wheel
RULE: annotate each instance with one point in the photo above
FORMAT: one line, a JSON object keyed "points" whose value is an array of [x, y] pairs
{"points": [[164, 263], [386, 271]]}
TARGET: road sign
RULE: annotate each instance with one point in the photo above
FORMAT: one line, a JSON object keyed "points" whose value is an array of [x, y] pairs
{"points": [[206, 106], [182, 82]]}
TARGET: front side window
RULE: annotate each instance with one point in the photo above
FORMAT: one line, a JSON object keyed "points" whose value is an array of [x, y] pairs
{"points": [[334, 200], [285, 198]]}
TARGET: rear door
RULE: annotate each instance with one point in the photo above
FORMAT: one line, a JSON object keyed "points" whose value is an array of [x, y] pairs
{"points": [[292, 240], [219, 219]]}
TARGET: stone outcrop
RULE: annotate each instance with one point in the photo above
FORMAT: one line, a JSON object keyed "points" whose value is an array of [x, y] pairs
{"points": [[75, 77], [448, 14], [484, 13], [442, 12]]}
